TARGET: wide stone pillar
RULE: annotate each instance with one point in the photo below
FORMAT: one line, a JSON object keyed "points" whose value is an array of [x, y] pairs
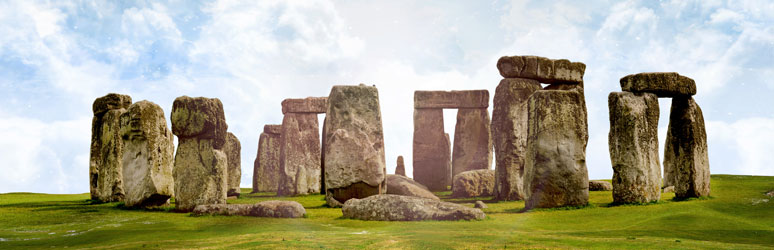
{"points": [[685, 153], [299, 155], [431, 150], [472, 141], [633, 143], [509, 134], [267, 165], [105, 167]]}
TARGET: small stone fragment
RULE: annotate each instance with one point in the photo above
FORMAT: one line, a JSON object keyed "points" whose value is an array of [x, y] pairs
{"points": [[480, 205], [663, 84], [400, 169], [474, 183], [600, 186], [389, 207]]}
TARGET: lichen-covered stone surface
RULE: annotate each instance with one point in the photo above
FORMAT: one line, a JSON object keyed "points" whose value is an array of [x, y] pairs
{"points": [[148, 156], [389, 207], [600, 186], [451, 99], [555, 169], [299, 155], [663, 84], [233, 150], [687, 149], [199, 117], [105, 167], [431, 150], [266, 165], [402, 185], [355, 164], [633, 144], [472, 141], [400, 168], [315, 105], [474, 183], [273, 209], [541, 69], [509, 135]]}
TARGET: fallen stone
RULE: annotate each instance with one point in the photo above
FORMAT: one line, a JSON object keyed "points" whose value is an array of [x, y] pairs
{"points": [[472, 141], [267, 166], [299, 155], [600, 186], [431, 150], [770, 193], [273, 209], [148, 154], [509, 134], [541, 69], [451, 99], [233, 150], [480, 205], [317, 105], [354, 148], [687, 149], [401, 185], [663, 84], [474, 183], [633, 144], [199, 117], [400, 169], [669, 189], [106, 182], [389, 207], [555, 169]]}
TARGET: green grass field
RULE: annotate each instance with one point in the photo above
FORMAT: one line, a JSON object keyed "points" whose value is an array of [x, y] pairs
{"points": [[738, 216]]}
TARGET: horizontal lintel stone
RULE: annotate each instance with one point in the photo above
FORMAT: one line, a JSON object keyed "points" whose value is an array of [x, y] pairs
{"points": [[541, 69], [305, 105], [451, 99], [663, 84], [272, 129]]}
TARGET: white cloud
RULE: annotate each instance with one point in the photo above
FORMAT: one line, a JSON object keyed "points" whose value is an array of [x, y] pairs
{"points": [[752, 139]]}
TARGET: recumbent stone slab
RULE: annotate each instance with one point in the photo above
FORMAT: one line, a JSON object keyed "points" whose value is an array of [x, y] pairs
{"points": [[663, 84], [541, 69], [686, 149], [389, 207], [402, 185], [267, 166], [431, 150], [273, 209], [315, 105], [105, 164], [451, 99], [474, 183]]}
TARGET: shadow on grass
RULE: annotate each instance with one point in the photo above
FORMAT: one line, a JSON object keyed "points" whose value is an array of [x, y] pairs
{"points": [[525, 210]]}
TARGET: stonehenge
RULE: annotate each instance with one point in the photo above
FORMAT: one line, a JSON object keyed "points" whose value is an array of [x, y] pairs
{"points": [[299, 159], [105, 159], [234, 157], [431, 150], [266, 166]]}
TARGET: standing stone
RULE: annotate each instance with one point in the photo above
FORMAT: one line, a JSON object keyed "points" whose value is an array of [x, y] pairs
{"points": [[147, 156], [105, 171], [474, 183], [354, 152], [688, 149], [299, 155], [670, 175], [233, 150], [509, 131], [267, 165], [472, 141], [633, 142], [555, 169], [200, 164], [322, 158], [401, 168], [431, 150]]}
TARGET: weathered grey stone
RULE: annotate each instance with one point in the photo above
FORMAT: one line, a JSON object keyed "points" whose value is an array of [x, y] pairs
{"points": [[555, 169], [564, 86], [147, 156], [472, 141], [199, 117], [509, 134], [233, 150], [687, 147], [633, 144], [354, 148], [541, 69], [663, 84], [400, 169], [322, 160], [474, 183], [402, 185], [105, 171], [600, 186], [770, 193], [389, 207], [669, 189], [274, 209], [299, 155], [317, 105], [480, 205], [267, 165], [451, 99], [431, 150]]}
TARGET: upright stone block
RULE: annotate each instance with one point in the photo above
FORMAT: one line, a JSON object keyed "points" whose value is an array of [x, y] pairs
{"points": [[472, 141], [105, 164], [147, 156], [633, 142], [431, 150], [267, 165], [354, 151], [509, 134], [556, 173], [687, 149], [233, 150], [400, 169], [299, 155]]}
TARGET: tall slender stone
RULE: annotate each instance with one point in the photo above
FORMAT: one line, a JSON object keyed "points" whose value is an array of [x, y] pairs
{"points": [[267, 165], [431, 150], [633, 142], [233, 150], [105, 164], [472, 141], [509, 134], [687, 149], [299, 155], [400, 169]]}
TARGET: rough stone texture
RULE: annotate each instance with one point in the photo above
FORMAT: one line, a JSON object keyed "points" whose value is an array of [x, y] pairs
{"points": [[355, 166], [322, 160], [687, 148], [472, 141], [451, 99], [274, 209], [401, 185], [389, 207], [147, 156], [600, 186], [509, 134], [317, 105], [431, 150], [105, 171], [564, 86], [541, 69], [199, 117], [400, 169], [267, 165], [480, 205], [633, 144], [555, 169], [474, 183], [233, 150], [669, 189], [663, 84], [299, 155]]}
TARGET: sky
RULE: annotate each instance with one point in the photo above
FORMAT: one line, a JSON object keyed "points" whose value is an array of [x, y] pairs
{"points": [[56, 57]]}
